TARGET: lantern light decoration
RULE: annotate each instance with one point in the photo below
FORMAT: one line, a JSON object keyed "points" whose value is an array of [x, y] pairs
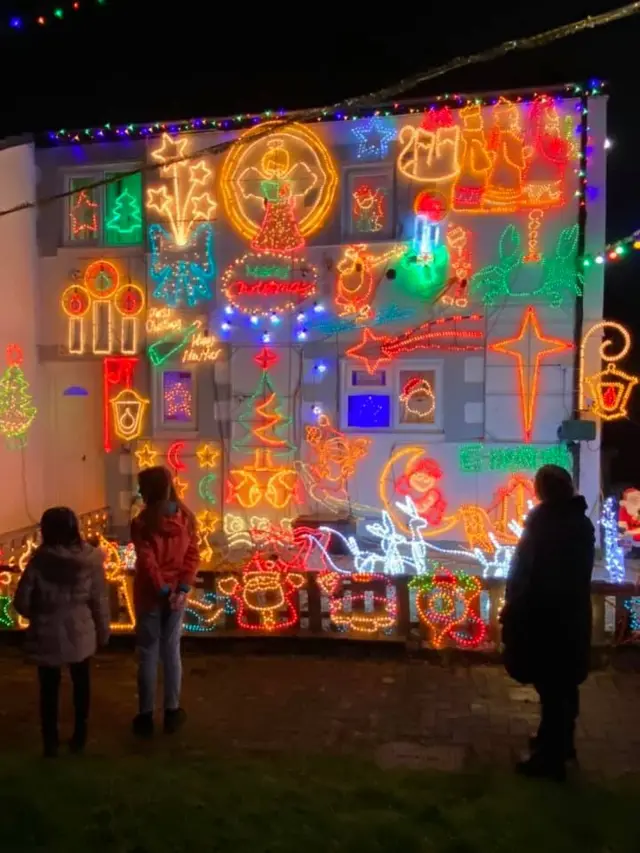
{"points": [[611, 387]]}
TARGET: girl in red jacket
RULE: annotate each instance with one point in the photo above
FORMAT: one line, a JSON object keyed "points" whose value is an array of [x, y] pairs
{"points": [[167, 559]]}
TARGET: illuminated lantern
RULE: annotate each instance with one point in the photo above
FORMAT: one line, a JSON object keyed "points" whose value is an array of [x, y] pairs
{"points": [[611, 387], [128, 409]]}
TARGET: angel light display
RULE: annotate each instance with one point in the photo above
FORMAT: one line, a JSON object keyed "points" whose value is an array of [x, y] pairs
{"points": [[277, 190]]}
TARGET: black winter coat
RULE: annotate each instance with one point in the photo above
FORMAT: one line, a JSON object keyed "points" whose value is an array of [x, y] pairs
{"points": [[547, 613]]}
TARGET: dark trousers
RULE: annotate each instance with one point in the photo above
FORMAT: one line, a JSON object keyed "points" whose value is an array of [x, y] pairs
{"points": [[560, 705], [50, 677]]}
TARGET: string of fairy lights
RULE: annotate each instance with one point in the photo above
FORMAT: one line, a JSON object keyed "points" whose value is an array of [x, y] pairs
{"points": [[372, 99], [19, 23]]}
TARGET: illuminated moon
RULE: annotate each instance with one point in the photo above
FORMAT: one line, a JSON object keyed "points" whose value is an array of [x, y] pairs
{"points": [[204, 488], [389, 501], [173, 457]]}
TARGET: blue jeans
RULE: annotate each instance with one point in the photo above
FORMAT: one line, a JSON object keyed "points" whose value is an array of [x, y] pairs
{"points": [[158, 636]]}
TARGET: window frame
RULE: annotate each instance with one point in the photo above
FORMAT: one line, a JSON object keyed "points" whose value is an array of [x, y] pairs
{"points": [[353, 174], [92, 174], [174, 427], [391, 389]]}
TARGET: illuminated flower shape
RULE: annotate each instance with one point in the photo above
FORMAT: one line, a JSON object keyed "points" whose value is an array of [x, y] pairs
{"points": [[444, 602]]}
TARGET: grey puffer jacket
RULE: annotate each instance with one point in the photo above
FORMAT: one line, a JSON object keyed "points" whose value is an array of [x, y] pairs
{"points": [[63, 594]]}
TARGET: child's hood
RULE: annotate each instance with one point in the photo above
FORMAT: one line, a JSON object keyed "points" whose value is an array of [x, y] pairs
{"points": [[64, 565]]}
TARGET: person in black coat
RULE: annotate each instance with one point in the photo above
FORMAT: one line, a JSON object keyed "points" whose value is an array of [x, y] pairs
{"points": [[547, 616]]}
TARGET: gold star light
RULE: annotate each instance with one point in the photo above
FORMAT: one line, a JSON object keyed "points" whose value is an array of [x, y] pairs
{"points": [[146, 456], [207, 456]]}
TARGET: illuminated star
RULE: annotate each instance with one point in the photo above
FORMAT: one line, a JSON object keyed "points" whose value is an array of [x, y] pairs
{"points": [[207, 521], [203, 206], [265, 358], [373, 138], [199, 173], [180, 486], [159, 200], [146, 456], [529, 347], [370, 351], [207, 456], [171, 149]]}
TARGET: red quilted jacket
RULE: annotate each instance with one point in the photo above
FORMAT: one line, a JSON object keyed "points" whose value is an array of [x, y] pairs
{"points": [[166, 557]]}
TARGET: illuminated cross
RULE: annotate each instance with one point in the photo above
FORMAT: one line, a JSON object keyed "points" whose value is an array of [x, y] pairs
{"points": [[529, 347]]}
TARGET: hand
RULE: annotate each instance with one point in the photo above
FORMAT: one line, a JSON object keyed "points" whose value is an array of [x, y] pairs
{"points": [[177, 600]]}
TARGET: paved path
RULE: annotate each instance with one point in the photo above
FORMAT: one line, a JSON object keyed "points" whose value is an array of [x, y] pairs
{"points": [[412, 713]]}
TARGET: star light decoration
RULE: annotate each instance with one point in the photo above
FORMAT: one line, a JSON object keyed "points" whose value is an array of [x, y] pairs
{"points": [[207, 456], [374, 136], [529, 348], [181, 206], [146, 456]]}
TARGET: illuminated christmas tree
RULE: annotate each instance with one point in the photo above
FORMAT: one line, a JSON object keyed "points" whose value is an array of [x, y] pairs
{"points": [[261, 481], [126, 219], [16, 405], [261, 416]]}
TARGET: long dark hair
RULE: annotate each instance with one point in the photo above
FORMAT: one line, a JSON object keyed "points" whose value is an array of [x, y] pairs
{"points": [[59, 527], [157, 490]]}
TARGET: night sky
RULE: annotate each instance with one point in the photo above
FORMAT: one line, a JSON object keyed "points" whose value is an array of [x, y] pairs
{"points": [[141, 61]]}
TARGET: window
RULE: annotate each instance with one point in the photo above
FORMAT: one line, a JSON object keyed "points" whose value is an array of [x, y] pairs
{"points": [[178, 398], [109, 215], [402, 397], [369, 208]]}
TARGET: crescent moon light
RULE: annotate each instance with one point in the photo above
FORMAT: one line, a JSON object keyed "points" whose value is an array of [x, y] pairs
{"points": [[389, 504], [173, 457], [204, 488]]}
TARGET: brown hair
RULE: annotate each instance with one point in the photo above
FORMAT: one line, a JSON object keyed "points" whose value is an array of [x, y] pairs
{"points": [[553, 483], [157, 489]]}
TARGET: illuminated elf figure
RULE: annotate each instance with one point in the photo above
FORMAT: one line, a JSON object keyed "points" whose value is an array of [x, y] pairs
{"points": [[280, 183]]}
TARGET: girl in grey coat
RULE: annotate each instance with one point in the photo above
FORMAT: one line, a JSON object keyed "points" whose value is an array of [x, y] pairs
{"points": [[63, 595]]}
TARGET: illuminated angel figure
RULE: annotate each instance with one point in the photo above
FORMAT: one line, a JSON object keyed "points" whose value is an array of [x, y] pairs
{"points": [[335, 456], [280, 185]]}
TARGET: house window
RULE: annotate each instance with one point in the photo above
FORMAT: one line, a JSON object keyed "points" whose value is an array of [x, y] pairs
{"points": [[402, 397], [368, 215], [109, 215], [178, 398]]}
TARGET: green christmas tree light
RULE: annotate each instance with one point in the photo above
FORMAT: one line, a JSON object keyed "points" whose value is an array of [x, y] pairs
{"points": [[17, 411], [126, 218]]}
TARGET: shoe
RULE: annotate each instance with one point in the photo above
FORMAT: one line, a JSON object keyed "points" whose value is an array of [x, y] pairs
{"points": [[174, 720], [143, 725], [571, 754], [537, 767]]}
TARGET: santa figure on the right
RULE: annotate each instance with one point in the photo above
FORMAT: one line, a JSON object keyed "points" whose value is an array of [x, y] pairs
{"points": [[629, 515]]}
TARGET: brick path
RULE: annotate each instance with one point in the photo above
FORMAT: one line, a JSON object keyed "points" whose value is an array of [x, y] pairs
{"points": [[414, 713]]}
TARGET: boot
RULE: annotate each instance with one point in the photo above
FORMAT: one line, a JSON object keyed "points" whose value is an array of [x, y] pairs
{"points": [[174, 720]]}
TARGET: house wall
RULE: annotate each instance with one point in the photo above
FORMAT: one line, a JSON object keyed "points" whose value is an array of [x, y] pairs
{"points": [[477, 394], [22, 497]]}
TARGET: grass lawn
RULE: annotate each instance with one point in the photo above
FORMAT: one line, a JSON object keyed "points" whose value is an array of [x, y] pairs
{"points": [[171, 802]]}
